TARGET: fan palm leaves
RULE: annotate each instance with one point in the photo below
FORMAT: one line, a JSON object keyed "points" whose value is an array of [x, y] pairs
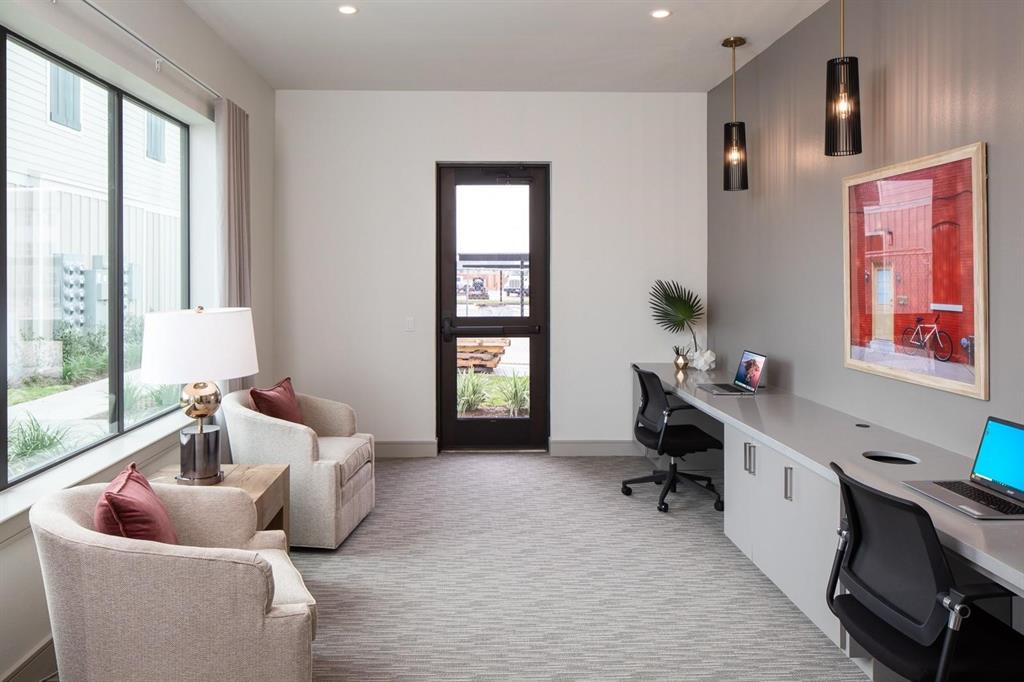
{"points": [[676, 308]]}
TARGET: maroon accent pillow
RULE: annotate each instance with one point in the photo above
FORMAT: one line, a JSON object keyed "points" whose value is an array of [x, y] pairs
{"points": [[279, 401], [129, 508]]}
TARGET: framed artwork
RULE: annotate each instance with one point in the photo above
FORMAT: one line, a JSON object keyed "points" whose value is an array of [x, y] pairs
{"points": [[915, 269]]}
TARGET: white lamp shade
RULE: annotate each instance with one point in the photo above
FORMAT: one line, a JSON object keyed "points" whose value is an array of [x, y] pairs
{"points": [[184, 346]]}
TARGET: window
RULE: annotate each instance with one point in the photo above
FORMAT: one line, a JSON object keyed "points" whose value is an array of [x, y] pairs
{"points": [[154, 137], [65, 89], [86, 256], [154, 250]]}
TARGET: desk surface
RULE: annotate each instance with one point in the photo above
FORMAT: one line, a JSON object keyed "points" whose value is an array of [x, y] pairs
{"points": [[814, 435]]}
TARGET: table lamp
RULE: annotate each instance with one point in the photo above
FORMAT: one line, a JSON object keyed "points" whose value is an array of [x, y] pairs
{"points": [[191, 347]]}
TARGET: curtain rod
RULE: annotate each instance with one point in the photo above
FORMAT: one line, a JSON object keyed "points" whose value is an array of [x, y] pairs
{"points": [[161, 58]]}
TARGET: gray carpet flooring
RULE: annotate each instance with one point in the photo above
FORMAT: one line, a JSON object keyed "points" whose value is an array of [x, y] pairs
{"points": [[530, 567]]}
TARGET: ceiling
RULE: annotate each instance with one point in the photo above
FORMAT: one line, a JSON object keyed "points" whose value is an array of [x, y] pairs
{"points": [[530, 45]]}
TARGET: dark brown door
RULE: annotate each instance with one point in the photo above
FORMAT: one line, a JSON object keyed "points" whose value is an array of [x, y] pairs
{"points": [[492, 313]]}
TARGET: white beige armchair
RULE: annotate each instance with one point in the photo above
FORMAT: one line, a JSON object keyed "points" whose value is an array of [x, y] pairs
{"points": [[330, 464], [225, 604]]}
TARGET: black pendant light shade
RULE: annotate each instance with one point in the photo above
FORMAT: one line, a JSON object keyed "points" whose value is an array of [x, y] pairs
{"points": [[735, 168], [842, 108]]}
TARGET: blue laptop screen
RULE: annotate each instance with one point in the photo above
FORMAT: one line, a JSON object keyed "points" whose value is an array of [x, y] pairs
{"points": [[748, 373], [1001, 455]]}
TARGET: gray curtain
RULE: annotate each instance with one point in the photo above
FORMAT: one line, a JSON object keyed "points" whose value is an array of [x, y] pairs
{"points": [[233, 237], [233, 222]]}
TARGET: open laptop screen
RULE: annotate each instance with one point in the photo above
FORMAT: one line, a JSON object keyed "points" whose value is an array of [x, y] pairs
{"points": [[1000, 460], [748, 373]]}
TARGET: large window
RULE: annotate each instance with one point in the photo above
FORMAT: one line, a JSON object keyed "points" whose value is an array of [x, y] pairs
{"points": [[96, 237]]}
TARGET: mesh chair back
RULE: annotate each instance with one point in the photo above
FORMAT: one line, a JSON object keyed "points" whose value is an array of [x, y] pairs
{"points": [[894, 564], [653, 403]]}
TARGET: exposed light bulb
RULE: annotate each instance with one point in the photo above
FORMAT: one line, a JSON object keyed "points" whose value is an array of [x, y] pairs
{"points": [[734, 155], [843, 106]]}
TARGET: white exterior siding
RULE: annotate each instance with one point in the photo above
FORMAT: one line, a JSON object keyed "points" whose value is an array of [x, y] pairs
{"points": [[57, 189]]}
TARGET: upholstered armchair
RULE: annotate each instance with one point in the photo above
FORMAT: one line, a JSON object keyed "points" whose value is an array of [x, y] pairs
{"points": [[331, 464], [224, 604]]}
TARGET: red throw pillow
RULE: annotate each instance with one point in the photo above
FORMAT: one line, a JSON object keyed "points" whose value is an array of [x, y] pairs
{"points": [[129, 508], [278, 401]]}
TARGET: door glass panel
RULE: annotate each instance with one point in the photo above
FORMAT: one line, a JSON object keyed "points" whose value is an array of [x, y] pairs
{"points": [[58, 392], [492, 243], [493, 380]]}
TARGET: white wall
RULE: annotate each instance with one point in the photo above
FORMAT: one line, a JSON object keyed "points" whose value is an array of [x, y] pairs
{"points": [[72, 30], [357, 230]]}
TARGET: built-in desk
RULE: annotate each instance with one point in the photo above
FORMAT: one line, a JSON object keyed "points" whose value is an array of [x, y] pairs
{"points": [[782, 509]]}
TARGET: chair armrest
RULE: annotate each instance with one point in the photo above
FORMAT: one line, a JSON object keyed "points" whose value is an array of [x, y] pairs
{"points": [[209, 516], [327, 417], [968, 594], [268, 539], [259, 439]]}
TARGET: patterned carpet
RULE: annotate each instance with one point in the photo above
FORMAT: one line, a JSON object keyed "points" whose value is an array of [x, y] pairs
{"points": [[530, 567]]}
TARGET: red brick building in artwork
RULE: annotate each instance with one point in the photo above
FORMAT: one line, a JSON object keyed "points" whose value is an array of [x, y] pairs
{"points": [[912, 255]]}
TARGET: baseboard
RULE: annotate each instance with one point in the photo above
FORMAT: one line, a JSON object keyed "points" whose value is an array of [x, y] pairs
{"points": [[592, 448], [38, 665], [405, 449]]}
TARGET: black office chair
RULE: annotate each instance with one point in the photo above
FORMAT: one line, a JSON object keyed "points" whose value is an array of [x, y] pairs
{"points": [[903, 607], [652, 429]]}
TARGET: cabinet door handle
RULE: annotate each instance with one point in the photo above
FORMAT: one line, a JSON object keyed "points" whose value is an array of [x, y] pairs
{"points": [[753, 460], [746, 457], [787, 483]]}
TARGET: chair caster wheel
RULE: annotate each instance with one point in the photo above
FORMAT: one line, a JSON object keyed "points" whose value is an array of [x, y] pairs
{"points": [[662, 507], [719, 505], [627, 491]]}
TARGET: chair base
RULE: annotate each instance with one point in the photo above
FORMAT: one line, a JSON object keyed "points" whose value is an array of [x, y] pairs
{"points": [[668, 480]]}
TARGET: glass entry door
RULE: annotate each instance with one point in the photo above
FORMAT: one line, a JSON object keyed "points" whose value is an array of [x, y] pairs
{"points": [[492, 319]]}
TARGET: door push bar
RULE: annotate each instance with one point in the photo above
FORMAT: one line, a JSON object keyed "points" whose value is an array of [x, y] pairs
{"points": [[449, 330]]}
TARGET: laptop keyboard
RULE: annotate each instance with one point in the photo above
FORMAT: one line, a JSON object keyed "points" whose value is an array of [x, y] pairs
{"points": [[981, 497]]}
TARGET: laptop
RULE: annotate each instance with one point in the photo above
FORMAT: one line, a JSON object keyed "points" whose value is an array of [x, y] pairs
{"points": [[748, 376], [996, 487]]}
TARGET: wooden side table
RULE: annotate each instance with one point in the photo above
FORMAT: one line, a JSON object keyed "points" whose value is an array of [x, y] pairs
{"points": [[266, 484]]}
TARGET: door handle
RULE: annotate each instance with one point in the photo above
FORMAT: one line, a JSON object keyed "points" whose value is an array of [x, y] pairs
{"points": [[746, 457], [787, 483], [449, 330], [753, 460]]}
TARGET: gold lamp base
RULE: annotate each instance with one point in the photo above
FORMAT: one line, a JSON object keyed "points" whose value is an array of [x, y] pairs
{"points": [[200, 399]]}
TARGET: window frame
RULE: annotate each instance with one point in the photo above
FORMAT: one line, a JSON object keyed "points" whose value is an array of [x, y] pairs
{"points": [[115, 246]]}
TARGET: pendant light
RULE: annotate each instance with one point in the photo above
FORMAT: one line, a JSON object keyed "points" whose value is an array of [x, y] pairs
{"points": [[735, 169], [842, 99]]}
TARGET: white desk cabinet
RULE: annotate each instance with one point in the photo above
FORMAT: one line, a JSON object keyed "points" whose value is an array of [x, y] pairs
{"points": [[783, 517]]}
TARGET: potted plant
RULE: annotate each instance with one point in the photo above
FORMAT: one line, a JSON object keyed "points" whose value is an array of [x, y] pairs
{"points": [[676, 309]]}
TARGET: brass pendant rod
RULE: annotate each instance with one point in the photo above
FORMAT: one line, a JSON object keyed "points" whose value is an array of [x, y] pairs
{"points": [[734, 83], [842, 28]]}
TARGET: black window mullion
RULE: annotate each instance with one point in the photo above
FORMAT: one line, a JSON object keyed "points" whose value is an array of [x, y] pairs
{"points": [[115, 266], [186, 257], [3, 241]]}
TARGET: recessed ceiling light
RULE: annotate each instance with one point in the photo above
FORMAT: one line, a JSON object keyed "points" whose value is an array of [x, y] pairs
{"points": [[661, 13], [348, 9]]}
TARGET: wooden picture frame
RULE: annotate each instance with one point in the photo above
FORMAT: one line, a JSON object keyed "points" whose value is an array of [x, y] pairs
{"points": [[915, 272]]}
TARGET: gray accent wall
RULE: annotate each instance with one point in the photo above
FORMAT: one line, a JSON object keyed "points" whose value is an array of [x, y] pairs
{"points": [[935, 75]]}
